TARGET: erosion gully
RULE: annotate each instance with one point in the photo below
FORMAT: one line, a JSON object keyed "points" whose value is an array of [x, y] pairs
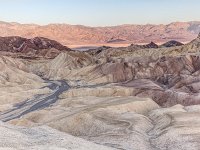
{"points": [[37, 102]]}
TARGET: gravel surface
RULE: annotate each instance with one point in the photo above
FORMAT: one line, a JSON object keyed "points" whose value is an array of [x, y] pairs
{"points": [[43, 138]]}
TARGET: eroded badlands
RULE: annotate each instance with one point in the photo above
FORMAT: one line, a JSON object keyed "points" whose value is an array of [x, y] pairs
{"points": [[133, 98]]}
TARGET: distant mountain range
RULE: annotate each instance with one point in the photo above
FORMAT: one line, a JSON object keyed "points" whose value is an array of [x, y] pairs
{"points": [[83, 35]]}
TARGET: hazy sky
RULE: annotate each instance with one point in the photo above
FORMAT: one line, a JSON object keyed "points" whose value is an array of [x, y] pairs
{"points": [[99, 12]]}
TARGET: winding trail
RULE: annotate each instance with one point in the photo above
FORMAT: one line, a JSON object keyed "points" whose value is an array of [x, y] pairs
{"points": [[38, 102]]}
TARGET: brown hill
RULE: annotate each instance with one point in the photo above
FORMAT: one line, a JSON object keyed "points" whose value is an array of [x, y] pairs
{"points": [[172, 44], [37, 46], [150, 45]]}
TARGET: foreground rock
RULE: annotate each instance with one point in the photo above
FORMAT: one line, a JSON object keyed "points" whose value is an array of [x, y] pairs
{"points": [[41, 138], [122, 122], [118, 122], [176, 128]]}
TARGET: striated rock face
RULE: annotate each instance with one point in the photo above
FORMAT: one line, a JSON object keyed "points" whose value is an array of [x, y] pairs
{"points": [[63, 65], [17, 83], [37, 46], [176, 78]]}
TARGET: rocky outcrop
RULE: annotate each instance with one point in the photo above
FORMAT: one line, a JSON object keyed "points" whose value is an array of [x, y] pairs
{"points": [[151, 45], [37, 46], [64, 65], [97, 50], [172, 44], [17, 83], [147, 46]]}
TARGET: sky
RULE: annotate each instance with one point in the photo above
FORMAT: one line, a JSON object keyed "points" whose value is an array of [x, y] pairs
{"points": [[99, 12]]}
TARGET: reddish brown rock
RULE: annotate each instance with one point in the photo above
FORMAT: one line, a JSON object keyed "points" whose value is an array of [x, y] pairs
{"points": [[37, 46]]}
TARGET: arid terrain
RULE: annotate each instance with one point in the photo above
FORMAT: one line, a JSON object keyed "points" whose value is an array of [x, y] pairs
{"points": [[76, 35], [139, 97]]}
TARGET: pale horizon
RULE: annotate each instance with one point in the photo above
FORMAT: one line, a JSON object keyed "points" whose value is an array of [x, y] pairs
{"points": [[96, 13], [65, 23]]}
